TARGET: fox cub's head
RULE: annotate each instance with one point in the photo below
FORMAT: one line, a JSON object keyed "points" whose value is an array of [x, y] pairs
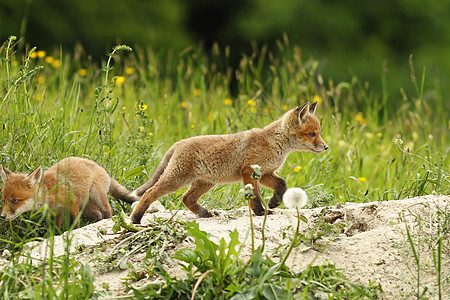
{"points": [[18, 192], [304, 125]]}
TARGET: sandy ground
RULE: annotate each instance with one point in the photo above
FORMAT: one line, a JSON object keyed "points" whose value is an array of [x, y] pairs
{"points": [[367, 241]]}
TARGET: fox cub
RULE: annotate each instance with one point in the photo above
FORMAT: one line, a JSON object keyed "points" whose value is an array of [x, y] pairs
{"points": [[70, 185], [205, 161]]}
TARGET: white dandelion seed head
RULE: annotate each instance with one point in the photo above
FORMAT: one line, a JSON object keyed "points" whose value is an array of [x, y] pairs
{"points": [[295, 198]]}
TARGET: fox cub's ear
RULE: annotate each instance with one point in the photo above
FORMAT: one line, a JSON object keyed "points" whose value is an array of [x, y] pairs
{"points": [[34, 177], [5, 173], [312, 107], [302, 112]]}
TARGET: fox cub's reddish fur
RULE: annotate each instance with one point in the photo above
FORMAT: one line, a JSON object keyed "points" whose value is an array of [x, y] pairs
{"points": [[204, 161], [70, 185]]}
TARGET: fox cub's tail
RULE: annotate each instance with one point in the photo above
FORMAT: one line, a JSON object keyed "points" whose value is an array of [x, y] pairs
{"points": [[118, 191], [159, 171]]}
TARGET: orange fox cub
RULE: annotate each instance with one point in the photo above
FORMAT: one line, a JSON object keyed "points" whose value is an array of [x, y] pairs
{"points": [[70, 185], [205, 161]]}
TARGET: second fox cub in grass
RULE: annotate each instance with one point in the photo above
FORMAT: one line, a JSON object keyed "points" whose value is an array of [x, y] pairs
{"points": [[204, 161], [70, 185]]}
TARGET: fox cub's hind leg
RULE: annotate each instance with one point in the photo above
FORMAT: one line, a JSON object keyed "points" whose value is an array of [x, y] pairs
{"points": [[278, 185], [196, 190]]}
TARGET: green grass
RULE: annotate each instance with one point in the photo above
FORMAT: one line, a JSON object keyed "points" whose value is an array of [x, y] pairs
{"points": [[127, 112]]}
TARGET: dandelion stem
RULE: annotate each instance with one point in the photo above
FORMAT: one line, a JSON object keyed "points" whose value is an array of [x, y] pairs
{"points": [[292, 243]]}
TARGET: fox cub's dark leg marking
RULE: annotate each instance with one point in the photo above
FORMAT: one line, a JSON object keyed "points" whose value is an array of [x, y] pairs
{"points": [[278, 185]]}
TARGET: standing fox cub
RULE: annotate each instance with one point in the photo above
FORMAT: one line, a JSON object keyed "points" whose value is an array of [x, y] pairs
{"points": [[70, 185], [204, 161]]}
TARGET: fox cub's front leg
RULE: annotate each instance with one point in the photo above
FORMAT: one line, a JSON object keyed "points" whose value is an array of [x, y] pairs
{"points": [[279, 188]]}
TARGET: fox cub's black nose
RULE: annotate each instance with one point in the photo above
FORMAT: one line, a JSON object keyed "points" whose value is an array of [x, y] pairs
{"points": [[325, 147]]}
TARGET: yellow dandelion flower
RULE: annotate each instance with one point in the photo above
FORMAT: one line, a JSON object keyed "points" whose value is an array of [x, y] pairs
{"points": [[120, 80], [251, 102], [360, 118], [192, 126], [82, 72], [228, 102], [362, 179], [38, 97], [129, 70], [124, 108], [41, 54], [150, 133], [297, 169], [49, 59], [33, 55], [142, 106], [318, 99], [40, 79], [285, 107], [197, 92], [184, 104], [56, 63], [379, 134]]}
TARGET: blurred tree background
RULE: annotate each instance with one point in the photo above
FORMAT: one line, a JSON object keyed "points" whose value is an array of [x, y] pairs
{"points": [[348, 37]]}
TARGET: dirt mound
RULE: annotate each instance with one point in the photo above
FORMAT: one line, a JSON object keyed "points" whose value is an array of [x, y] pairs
{"points": [[368, 241]]}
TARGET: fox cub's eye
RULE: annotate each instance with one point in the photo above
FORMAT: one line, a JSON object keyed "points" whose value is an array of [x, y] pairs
{"points": [[312, 134], [15, 201]]}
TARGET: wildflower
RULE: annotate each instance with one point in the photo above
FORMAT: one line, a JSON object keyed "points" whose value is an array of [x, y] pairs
{"points": [[82, 72], [297, 169], [33, 55], [150, 133], [192, 126], [38, 97], [248, 191], [56, 63], [253, 110], [295, 198], [120, 80], [184, 104], [369, 135], [256, 172], [318, 99], [141, 128], [7, 158], [360, 118], [285, 107], [142, 106], [228, 102], [129, 70], [40, 79], [197, 92], [362, 179], [49, 59], [398, 142], [251, 102], [41, 54], [124, 108], [379, 134]]}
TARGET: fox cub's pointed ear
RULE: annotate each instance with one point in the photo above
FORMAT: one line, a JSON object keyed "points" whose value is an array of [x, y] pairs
{"points": [[5, 173], [34, 177], [302, 111], [312, 107]]}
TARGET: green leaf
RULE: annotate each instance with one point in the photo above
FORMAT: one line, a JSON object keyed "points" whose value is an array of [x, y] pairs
{"points": [[186, 255], [134, 172]]}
